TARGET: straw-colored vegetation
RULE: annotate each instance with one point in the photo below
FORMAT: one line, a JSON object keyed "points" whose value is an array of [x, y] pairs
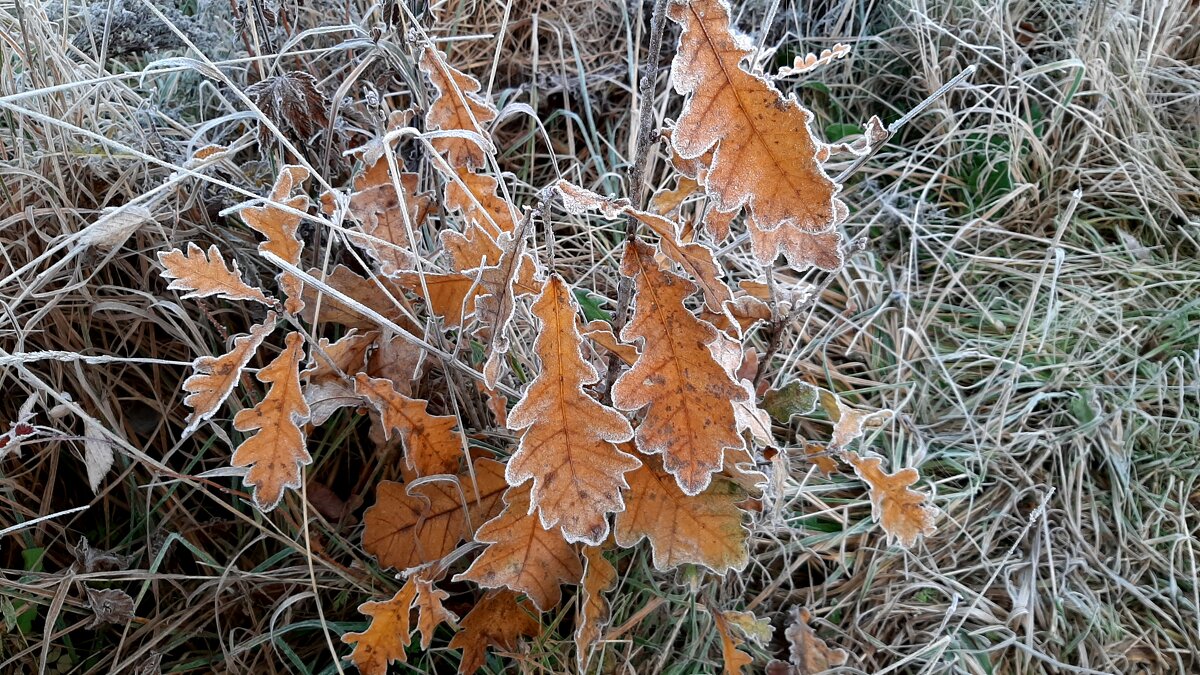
{"points": [[1022, 289]]}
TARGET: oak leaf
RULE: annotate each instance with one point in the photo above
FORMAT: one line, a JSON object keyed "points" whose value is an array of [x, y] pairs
{"points": [[387, 216], [277, 452], [431, 445], [431, 611], [380, 294], [388, 635], [280, 227], [903, 513], [412, 525], [733, 659], [497, 620], [765, 152], [703, 530], [599, 576], [215, 377], [450, 296], [689, 397], [328, 383], [457, 107], [568, 448], [522, 555], [396, 359], [203, 276], [747, 415], [496, 303], [818, 454], [809, 654], [601, 333]]}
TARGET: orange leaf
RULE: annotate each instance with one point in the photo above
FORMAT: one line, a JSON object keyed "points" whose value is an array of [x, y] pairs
{"points": [[488, 215], [388, 635], [205, 276], [809, 654], [457, 107], [328, 383], [599, 576], [423, 523], [903, 513], [431, 611], [430, 443], [818, 454], [386, 216], [601, 333], [522, 555], [382, 295], [495, 305], [666, 201], [215, 377], [703, 530], [765, 153], [568, 448], [477, 197], [496, 621], [449, 296], [280, 228], [397, 360], [800, 248], [277, 452], [689, 397], [733, 658], [747, 415], [697, 260]]}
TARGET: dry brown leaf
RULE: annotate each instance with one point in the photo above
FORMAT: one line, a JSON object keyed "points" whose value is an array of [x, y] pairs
{"points": [[601, 333], [818, 454], [849, 423], [703, 530], [765, 153], [903, 513], [277, 452], [215, 377], [809, 654], [599, 576], [397, 360], [280, 228], [412, 525], [696, 259], [450, 296], [568, 448], [294, 102], [431, 611], [381, 295], [205, 276], [497, 620], [748, 416], [801, 249], [667, 201], [388, 635], [328, 384], [522, 555], [386, 216], [457, 107], [477, 197], [733, 659], [497, 301], [431, 445], [689, 397]]}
